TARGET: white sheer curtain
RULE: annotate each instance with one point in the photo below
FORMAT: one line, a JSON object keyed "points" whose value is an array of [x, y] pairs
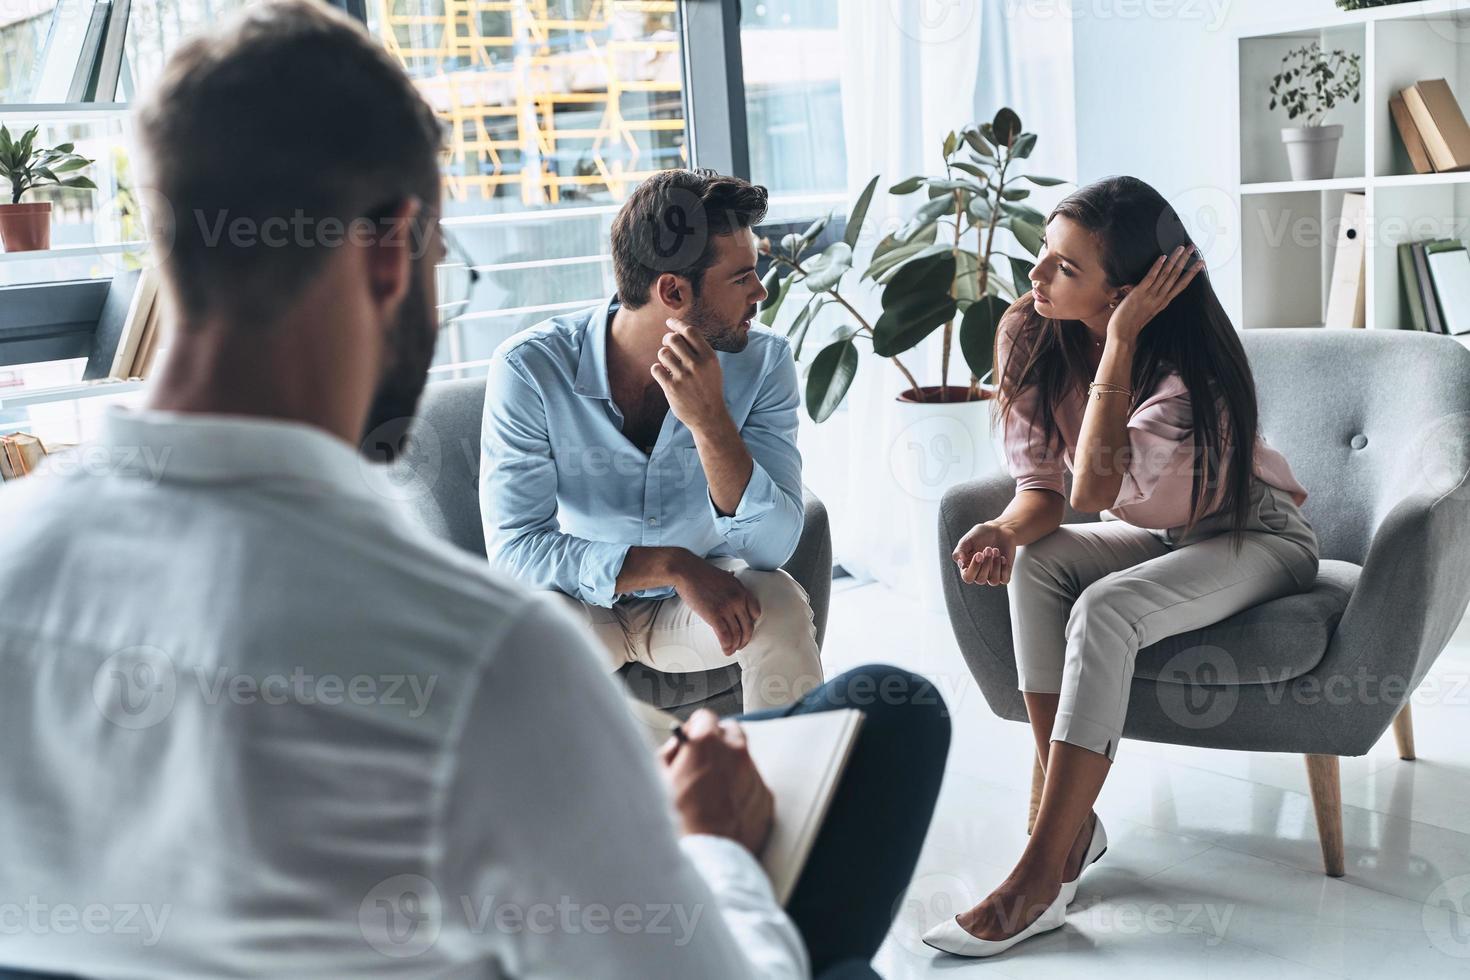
{"points": [[912, 71]]}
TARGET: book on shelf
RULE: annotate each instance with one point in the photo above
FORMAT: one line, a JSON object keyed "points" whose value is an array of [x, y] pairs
{"points": [[1436, 280], [1449, 271], [1441, 124], [1409, 134], [20, 453], [1345, 297], [1425, 288], [128, 327], [1408, 277], [111, 324], [139, 313], [148, 342]]}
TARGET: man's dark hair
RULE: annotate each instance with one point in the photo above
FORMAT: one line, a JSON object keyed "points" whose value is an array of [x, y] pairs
{"points": [[271, 141], [669, 224]]}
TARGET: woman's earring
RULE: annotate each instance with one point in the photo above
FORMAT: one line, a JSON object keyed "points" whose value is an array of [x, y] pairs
{"points": [[1112, 306]]}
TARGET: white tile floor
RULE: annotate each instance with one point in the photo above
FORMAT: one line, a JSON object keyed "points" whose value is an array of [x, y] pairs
{"points": [[1213, 867]]}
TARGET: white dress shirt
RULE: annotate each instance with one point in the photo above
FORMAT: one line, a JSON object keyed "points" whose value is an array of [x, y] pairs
{"points": [[254, 722]]}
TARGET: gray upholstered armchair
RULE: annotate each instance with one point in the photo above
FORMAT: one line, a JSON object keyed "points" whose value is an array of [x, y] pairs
{"points": [[1376, 426], [440, 486]]}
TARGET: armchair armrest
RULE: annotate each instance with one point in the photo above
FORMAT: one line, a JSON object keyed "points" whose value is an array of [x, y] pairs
{"points": [[811, 563], [981, 615], [1409, 599]]}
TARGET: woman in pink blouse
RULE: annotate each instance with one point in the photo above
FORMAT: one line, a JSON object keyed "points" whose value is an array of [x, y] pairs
{"points": [[1121, 367]]}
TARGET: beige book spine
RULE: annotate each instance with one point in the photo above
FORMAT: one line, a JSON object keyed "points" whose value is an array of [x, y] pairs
{"points": [[1441, 124]]}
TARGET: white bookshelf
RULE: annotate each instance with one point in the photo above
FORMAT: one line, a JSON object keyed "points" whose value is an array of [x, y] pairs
{"points": [[1288, 227]]}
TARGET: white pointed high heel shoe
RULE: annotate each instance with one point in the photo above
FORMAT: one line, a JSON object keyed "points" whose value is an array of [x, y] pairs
{"points": [[1095, 849], [950, 937]]}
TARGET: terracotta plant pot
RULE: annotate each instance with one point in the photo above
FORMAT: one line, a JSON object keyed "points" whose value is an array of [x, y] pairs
{"points": [[949, 395], [25, 227]]}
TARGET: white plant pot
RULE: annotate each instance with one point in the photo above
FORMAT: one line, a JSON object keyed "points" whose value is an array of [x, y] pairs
{"points": [[1311, 151], [933, 447]]}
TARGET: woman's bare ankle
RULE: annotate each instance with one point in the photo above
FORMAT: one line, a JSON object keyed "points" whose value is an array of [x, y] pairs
{"points": [[1079, 847]]}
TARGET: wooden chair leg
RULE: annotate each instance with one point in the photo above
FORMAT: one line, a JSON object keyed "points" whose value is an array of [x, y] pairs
{"points": [[1038, 779], [1325, 782], [1403, 732]]}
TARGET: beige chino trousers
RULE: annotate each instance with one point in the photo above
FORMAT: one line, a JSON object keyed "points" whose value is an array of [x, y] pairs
{"points": [[779, 665]]}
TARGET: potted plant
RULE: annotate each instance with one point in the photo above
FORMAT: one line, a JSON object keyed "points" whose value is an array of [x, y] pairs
{"points": [[26, 227], [1309, 85], [941, 270]]}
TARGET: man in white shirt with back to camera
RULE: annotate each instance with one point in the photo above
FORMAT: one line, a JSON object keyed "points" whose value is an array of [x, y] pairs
{"points": [[256, 723]]}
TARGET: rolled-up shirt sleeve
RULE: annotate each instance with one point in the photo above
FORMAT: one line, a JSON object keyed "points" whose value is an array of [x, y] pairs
{"points": [[1035, 464], [518, 497], [1159, 481], [766, 525]]}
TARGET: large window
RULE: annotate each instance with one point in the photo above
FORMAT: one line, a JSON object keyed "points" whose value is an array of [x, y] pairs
{"points": [[68, 68], [793, 102], [48, 48], [555, 110]]}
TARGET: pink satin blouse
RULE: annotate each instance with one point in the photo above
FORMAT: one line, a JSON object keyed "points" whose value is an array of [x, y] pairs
{"points": [[1156, 487]]}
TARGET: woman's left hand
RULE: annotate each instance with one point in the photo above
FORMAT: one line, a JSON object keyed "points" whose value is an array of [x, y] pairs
{"points": [[1167, 279]]}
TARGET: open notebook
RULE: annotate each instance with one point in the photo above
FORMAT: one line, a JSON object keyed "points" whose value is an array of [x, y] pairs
{"points": [[801, 758]]}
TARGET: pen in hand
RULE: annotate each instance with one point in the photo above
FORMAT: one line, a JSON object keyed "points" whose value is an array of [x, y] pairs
{"points": [[678, 737]]}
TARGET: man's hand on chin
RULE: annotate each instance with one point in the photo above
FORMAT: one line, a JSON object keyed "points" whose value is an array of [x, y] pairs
{"points": [[718, 598], [689, 373]]}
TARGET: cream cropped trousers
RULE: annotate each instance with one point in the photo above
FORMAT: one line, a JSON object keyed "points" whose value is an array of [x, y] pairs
{"points": [[1087, 597]]}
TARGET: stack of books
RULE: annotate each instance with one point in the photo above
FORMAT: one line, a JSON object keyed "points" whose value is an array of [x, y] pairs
{"points": [[129, 329], [20, 453], [1432, 127], [1436, 278]]}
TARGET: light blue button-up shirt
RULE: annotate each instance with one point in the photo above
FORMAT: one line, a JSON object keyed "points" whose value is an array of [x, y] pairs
{"points": [[564, 494]]}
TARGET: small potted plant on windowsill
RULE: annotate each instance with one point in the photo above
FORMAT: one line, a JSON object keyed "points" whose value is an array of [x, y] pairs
{"points": [[1310, 84], [27, 227]]}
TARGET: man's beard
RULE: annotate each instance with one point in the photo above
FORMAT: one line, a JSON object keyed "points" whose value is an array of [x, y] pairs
{"points": [[411, 351], [722, 335]]}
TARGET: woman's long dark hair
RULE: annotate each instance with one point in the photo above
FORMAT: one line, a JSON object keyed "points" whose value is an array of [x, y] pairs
{"points": [[1133, 225]]}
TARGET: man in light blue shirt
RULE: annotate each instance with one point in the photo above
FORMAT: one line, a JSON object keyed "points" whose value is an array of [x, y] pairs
{"points": [[639, 457]]}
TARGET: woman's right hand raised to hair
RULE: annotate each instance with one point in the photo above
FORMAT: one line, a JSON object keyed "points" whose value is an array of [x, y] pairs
{"points": [[985, 554]]}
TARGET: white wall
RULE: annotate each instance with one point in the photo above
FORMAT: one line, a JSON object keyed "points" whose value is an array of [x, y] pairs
{"points": [[1154, 92]]}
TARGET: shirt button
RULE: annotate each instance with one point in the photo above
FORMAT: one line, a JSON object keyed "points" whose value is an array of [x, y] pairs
{"points": [[653, 522], [1359, 441]]}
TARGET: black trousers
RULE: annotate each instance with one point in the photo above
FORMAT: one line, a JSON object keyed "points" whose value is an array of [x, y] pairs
{"points": [[864, 856]]}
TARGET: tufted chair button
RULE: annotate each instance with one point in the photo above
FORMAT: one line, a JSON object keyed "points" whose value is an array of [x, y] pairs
{"points": [[1359, 441]]}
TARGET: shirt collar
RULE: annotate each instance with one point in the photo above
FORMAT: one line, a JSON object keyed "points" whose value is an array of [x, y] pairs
{"points": [[592, 364], [201, 447]]}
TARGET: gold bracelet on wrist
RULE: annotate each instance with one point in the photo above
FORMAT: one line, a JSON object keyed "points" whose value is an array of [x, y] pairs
{"points": [[1098, 389]]}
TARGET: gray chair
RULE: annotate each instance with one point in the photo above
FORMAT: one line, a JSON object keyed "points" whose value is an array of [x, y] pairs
{"points": [[1376, 426], [439, 478]]}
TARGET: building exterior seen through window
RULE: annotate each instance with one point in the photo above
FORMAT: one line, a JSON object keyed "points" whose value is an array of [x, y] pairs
{"points": [[554, 110]]}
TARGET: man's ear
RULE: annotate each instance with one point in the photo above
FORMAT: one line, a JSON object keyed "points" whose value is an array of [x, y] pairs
{"points": [[390, 254], [674, 292]]}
